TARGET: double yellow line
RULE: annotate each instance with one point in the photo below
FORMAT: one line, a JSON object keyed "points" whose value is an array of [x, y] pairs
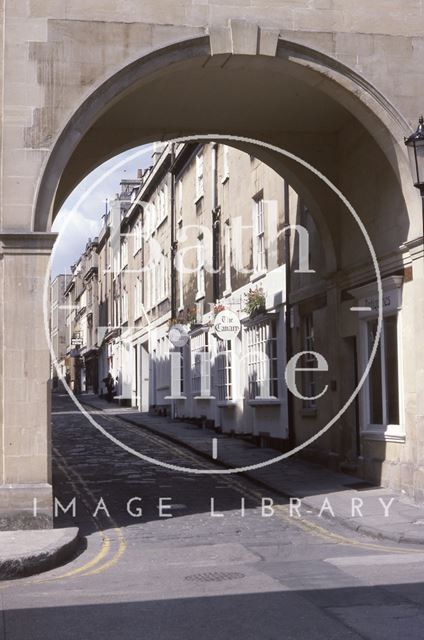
{"points": [[101, 561]]}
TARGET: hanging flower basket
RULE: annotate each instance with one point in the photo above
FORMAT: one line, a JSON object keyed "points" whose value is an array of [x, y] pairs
{"points": [[185, 317], [218, 308], [255, 302]]}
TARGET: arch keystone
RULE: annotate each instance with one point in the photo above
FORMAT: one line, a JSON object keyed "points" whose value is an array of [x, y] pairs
{"points": [[243, 38]]}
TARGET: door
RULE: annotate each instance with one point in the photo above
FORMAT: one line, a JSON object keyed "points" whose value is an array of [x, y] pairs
{"points": [[135, 402], [144, 377]]}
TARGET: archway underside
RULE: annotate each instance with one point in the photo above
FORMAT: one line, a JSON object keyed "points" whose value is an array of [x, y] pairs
{"points": [[260, 97]]}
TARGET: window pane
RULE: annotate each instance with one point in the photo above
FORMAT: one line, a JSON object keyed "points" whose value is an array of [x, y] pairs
{"points": [[374, 378], [391, 349]]}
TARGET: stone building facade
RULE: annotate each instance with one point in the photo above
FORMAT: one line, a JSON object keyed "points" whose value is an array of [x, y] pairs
{"points": [[82, 321], [58, 328]]}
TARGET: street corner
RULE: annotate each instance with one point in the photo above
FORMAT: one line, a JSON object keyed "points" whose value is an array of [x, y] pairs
{"points": [[27, 552]]}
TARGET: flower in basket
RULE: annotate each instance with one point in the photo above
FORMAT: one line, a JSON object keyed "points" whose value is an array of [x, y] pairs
{"points": [[255, 302], [217, 308]]}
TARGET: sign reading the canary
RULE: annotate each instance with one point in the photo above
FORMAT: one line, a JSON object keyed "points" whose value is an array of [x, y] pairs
{"points": [[227, 325]]}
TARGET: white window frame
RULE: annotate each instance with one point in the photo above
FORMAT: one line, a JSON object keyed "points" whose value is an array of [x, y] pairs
{"points": [[227, 257], [124, 306], [225, 163], [224, 370], [150, 217], [162, 279], [259, 248], [153, 285], [367, 300], [147, 288], [262, 349], [162, 364], [138, 237], [199, 343], [162, 200], [200, 268], [180, 197], [124, 251], [386, 430], [138, 298], [200, 186]]}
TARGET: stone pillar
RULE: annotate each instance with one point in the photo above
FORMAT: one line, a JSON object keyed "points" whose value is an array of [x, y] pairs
{"points": [[25, 442]]}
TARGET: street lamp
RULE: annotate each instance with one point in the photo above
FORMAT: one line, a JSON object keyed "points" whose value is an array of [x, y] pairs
{"points": [[415, 144]]}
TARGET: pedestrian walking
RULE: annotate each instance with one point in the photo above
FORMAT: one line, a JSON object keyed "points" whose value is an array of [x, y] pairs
{"points": [[110, 384]]}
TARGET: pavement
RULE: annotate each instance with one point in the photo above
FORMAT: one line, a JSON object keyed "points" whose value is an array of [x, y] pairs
{"points": [[24, 553], [373, 511]]}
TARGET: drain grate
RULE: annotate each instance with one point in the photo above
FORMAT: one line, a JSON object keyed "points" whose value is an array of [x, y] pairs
{"points": [[214, 576]]}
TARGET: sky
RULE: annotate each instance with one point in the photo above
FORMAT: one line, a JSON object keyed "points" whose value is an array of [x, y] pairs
{"points": [[80, 217]]}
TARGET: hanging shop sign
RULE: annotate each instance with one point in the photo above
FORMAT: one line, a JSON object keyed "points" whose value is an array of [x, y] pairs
{"points": [[227, 325]]}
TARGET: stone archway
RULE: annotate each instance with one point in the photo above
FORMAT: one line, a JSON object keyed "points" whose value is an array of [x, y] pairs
{"points": [[241, 80], [241, 51]]}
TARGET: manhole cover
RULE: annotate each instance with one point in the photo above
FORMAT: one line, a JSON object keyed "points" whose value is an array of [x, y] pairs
{"points": [[214, 576]]}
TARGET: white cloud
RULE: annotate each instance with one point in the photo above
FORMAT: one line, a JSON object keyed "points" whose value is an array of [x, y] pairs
{"points": [[80, 217], [74, 229]]}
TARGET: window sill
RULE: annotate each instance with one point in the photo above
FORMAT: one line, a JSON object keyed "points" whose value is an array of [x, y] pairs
{"points": [[258, 275], [200, 296], [260, 402], [204, 398], [226, 293], [226, 403], [391, 433], [175, 398]]}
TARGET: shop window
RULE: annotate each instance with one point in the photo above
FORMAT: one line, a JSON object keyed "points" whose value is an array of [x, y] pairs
{"points": [[262, 367], [200, 364], [383, 380], [223, 363]]}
